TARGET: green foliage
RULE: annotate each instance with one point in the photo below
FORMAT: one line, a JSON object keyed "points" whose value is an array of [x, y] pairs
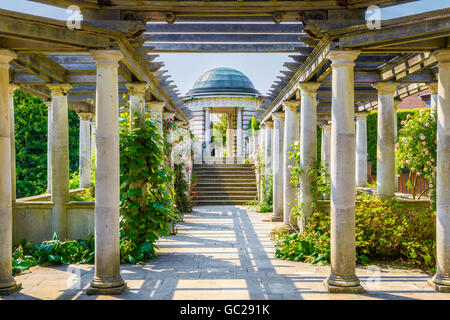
{"points": [[384, 230], [253, 124], [52, 252], [181, 190], [415, 150], [147, 195], [31, 144], [220, 128]]}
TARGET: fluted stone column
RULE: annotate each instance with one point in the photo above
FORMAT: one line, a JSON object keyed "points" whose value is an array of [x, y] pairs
{"points": [[325, 151], [60, 157], [239, 134], [7, 283], [343, 277], [137, 101], [361, 149], [290, 135], [262, 138], [107, 279], [208, 132], [156, 110], [277, 166], [396, 103], [441, 280], [85, 150], [12, 88], [308, 148], [386, 140]]}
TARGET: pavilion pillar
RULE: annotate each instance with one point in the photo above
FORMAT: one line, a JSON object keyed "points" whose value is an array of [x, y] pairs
{"points": [[396, 176], [208, 132], [441, 280], [107, 279], [13, 88], [230, 136], [290, 136], [239, 134], [262, 145], [434, 97], [342, 243], [48, 103], [308, 148], [7, 283], [325, 151], [92, 123], [156, 110], [137, 101], [277, 166], [60, 157], [386, 140], [361, 149], [85, 150], [268, 147]]}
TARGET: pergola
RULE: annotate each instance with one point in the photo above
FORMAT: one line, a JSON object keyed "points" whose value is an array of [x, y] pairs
{"points": [[339, 68]]}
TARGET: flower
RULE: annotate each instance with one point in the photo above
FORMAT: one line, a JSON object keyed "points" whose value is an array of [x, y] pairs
{"points": [[431, 186], [432, 160], [422, 137], [408, 116], [427, 124], [403, 122], [417, 173], [407, 161], [429, 163], [412, 169]]}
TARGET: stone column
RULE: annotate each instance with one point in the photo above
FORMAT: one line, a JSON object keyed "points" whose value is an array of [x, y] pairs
{"points": [[60, 157], [441, 280], [268, 147], [262, 146], [434, 96], [385, 142], [12, 88], [156, 110], [107, 279], [93, 143], [396, 103], [308, 148], [361, 149], [48, 103], [137, 101], [239, 134], [7, 283], [290, 136], [325, 151], [208, 132], [277, 166], [343, 277], [230, 136], [85, 150]]}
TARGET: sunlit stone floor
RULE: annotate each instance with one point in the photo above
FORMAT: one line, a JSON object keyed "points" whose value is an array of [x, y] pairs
{"points": [[223, 252]]}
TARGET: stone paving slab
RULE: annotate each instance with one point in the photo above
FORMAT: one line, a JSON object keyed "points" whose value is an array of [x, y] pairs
{"points": [[224, 252]]}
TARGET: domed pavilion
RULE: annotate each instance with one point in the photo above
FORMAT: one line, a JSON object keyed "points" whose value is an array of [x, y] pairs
{"points": [[222, 91]]}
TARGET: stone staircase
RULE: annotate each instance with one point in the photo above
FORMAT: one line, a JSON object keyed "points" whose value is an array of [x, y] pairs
{"points": [[224, 184]]}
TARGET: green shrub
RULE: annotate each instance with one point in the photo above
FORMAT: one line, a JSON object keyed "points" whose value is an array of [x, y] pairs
{"points": [[385, 230]]}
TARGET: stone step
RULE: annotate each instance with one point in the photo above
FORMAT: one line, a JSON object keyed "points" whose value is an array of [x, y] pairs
{"points": [[225, 197], [224, 174], [225, 171], [219, 202], [220, 188], [226, 192], [222, 166]]}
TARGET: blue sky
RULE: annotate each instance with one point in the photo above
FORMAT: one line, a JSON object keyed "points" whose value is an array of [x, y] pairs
{"points": [[261, 68]]}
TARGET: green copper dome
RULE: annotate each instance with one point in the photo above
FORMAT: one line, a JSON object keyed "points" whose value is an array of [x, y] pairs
{"points": [[223, 81]]}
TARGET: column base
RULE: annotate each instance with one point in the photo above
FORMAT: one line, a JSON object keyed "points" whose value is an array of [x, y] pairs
{"points": [[440, 284], [10, 290], [340, 285], [276, 218], [91, 291], [111, 287]]}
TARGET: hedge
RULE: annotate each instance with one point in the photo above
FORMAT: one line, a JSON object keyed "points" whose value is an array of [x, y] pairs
{"points": [[31, 144]]}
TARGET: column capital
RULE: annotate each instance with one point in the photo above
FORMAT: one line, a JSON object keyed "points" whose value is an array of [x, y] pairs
{"points": [[156, 106], [59, 89], [442, 56], [309, 87], [386, 87], [343, 57], [168, 115], [137, 88], [269, 123], [291, 105], [86, 116], [433, 87], [13, 87], [106, 57], [277, 116], [6, 56], [361, 115]]}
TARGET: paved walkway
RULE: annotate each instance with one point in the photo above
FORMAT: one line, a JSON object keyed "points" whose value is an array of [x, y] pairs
{"points": [[223, 252]]}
